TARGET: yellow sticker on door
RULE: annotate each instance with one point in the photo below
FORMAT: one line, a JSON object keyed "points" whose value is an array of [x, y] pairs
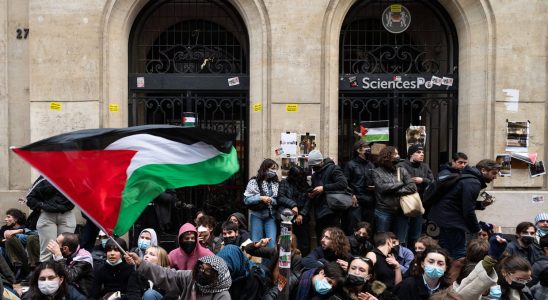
{"points": [[291, 107], [55, 105]]}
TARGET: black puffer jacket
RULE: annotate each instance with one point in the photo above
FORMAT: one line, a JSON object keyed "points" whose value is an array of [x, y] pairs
{"points": [[46, 197], [388, 189], [456, 209], [332, 178], [358, 173], [290, 195], [418, 169]]}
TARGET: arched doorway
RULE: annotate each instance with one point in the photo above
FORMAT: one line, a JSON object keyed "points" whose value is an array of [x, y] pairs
{"points": [[193, 56], [407, 78]]}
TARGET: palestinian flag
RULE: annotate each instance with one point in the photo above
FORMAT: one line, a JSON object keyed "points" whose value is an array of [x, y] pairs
{"points": [[375, 131], [112, 174]]}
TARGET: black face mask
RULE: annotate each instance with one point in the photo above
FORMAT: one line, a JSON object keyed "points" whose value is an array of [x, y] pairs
{"points": [[360, 239], [202, 279], [354, 280], [517, 285], [527, 240], [230, 240], [188, 246], [396, 249], [316, 168]]}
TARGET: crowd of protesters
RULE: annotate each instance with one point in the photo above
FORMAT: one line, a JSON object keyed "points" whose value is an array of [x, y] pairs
{"points": [[368, 251]]}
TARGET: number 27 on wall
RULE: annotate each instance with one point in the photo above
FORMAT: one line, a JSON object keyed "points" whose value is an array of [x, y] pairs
{"points": [[22, 33]]}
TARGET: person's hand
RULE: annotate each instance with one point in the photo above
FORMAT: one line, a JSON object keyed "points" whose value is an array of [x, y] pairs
{"points": [[366, 296], [343, 264], [262, 243], [133, 259], [266, 200], [54, 248], [299, 220], [354, 201], [10, 233], [316, 191], [497, 245], [417, 180], [295, 210], [391, 261]]}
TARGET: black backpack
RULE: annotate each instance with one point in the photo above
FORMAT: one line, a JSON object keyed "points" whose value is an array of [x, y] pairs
{"points": [[439, 187]]}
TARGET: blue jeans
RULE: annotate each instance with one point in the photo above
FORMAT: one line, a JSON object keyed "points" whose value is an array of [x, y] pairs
{"points": [[151, 294], [415, 230], [263, 228], [395, 222], [454, 241]]}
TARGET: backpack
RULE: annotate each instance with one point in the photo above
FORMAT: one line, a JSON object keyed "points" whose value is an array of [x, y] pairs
{"points": [[439, 187]]}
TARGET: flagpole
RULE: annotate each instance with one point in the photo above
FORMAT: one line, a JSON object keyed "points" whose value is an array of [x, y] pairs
{"points": [[117, 245]]}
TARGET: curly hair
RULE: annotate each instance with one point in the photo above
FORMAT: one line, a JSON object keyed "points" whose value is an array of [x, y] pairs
{"points": [[386, 156], [339, 242]]}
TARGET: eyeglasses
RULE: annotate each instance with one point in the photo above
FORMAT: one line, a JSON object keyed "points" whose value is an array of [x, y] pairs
{"points": [[521, 280]]}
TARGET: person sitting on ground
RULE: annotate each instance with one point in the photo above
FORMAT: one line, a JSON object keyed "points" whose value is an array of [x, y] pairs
{"points": [[403, 255], [359, 242], [429, 278], [14, 241], [231, 235], [360, 283], [99, 252], [240, 220], [424, 242], [112, 277], [208, 279], [189, 251], [514, 272], [138, 287], [523, 244], [334, 248], [48, 281], [77, 261], [321, 282], [476, 250], [206, 225], [542, 263], [540, 290], [386, 267], [147, 238], [486, 231]]}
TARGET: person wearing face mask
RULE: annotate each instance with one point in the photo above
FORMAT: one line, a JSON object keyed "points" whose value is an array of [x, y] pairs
{"points": [[113, 276], [542, 263], [48, 282], [327, 177], [206, 225], [523, 244], [360, 284], [260, 197], [388, 190], [208, 279], [514, 272], [147, 238], [429, 278], [359, 241], [189, 251], [231, 235], [386, 267], [541, 224], [98, 253], [403, 255], [320, 283], [239, 219], [139, 287]]}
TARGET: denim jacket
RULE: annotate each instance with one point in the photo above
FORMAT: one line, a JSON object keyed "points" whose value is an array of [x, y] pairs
{"points": [[252, 196]]}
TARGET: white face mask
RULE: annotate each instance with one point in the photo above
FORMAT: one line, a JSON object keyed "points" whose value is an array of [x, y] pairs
{"points": [[49, 287]]}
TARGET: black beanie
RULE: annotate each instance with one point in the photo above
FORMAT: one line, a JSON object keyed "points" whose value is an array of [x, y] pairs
{"points": [[414, 148]]}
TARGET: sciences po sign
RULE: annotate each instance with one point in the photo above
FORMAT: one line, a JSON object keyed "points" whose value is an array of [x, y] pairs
{"points": [[385, 82]]}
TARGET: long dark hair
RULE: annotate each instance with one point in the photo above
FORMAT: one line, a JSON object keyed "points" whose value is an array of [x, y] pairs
{"points": [[296, 177], [263, 169], [510, 264], [59, 270], [421, 257]]}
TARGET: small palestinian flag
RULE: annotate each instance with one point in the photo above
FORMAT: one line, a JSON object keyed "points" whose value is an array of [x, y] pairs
{"points": [[375, 131], [112, 174]]}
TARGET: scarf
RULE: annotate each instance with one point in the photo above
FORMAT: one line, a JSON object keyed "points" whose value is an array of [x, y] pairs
{"points": [[223, 281], [237, 262], [253, 188]]}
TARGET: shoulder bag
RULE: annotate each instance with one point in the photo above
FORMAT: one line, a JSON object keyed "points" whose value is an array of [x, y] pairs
{"points": [[411, 204]]}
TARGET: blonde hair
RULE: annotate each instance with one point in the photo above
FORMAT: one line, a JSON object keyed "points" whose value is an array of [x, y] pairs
{"points": [[161, 253]]}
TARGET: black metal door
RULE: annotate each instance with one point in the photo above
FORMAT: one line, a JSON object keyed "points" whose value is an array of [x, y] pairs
{"points": [[192, 56], [393, 76]]}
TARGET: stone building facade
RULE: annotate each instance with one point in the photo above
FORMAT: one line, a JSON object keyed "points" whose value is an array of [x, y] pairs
{"points": [[68, 65]]}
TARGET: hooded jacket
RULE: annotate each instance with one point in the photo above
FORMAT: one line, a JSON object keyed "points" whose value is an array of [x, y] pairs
{"points": [[153, 242], [358, 174], [456, 209], [331, 177], [182, 261]]}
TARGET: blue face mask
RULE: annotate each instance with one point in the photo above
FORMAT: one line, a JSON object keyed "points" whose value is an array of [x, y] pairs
{"points": [[495, 292], [322, 287], [433, 272], [104, 242], [542, 232], [143, 244], [119, 261]]}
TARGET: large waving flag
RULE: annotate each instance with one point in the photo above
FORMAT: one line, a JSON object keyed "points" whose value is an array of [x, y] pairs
{"points": [[112, 174]]}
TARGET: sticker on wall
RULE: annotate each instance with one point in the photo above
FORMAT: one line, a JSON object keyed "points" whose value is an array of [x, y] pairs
{"points": [[288, 142], [537, 169], [506, 167], [279, 151], [140, 82], [396, 18], [307, 143], [436, 80], [257, 107], [537, 199], [415, 135], [291, 107], [517, 136], [113, 107], [233, 81], [511, 100], [55, 105], [353, 82], [448, 81]]}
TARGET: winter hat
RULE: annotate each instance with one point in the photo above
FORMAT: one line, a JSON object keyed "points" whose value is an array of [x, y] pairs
{"points": [[315, 158], [414, 148], [360, 144], [543, 216]]}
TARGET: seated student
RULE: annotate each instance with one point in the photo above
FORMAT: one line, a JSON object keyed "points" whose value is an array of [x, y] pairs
{"points": [[138, 286], [523, 245], [359, 242], [240, 220], [386, 267], [360, 284], [429, 278], [424, 242], [334, 247], [99, 252], [540, 290], [541, 263], [514, 272], [206, 237], [486, 231], [321, 282], [113, 276], [48, 281], [189, 251], [231, 235], [147, 238], [403, 255], [209, 278], [476, 250], [14, 240]]}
